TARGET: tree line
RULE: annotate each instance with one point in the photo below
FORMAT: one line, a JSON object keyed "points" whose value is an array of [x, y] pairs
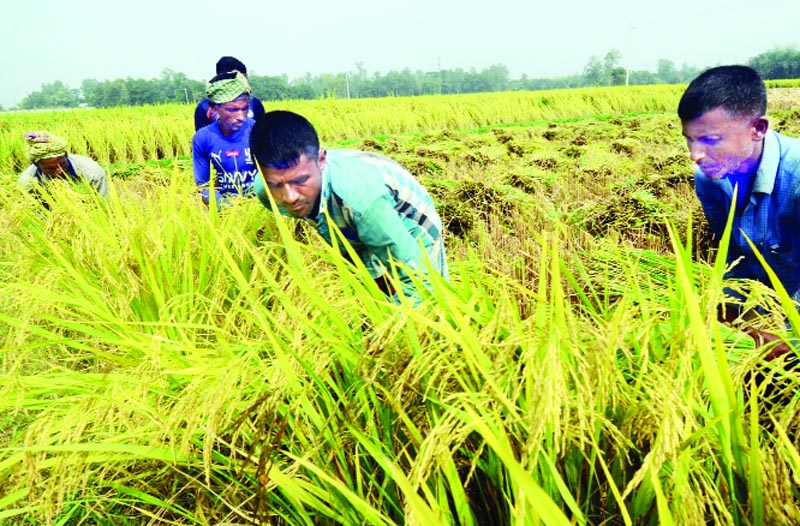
{"points": [[173, 86]]}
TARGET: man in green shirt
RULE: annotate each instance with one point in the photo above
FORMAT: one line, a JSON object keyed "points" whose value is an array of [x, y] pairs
{"points": [[380, 208]]}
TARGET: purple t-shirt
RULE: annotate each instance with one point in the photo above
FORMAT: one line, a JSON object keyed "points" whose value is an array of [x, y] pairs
{"points": [[227, 157]]}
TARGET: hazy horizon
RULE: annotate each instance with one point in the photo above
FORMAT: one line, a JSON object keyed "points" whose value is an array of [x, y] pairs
{"points": [[86, 41]]}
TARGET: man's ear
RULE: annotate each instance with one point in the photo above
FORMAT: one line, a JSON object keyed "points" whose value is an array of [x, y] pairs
{"points": [[321, 160], [760, 127]]}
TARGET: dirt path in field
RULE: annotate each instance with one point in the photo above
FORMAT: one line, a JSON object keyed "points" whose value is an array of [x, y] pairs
{"points": [[783, 98]]}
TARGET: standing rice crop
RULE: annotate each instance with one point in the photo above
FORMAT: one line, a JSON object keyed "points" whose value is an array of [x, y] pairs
{"points": [[167, 365]]}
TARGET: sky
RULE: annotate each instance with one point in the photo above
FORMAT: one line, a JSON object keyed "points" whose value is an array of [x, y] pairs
{"points": [[73, 40]]}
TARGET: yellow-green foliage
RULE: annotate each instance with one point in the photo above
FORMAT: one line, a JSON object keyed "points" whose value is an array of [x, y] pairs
{"points": [[118, 135], [123, 135], [783, 83], [167, 365]]}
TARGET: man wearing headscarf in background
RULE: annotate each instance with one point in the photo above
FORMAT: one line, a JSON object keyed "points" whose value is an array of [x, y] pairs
{"points": [[205, 115], [50, 161], [224, 146]]}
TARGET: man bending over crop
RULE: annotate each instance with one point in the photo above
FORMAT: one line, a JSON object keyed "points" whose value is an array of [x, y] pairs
{"points": [[385, 214], [723, 116], [50, 162]]}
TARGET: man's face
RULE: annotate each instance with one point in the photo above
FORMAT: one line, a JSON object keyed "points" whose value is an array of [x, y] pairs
{"points": [[232, 115], [297, 189], [723, 144], [54, 166]]}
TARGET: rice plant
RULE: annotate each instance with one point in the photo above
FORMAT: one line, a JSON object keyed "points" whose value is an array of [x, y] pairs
{"points": [[167, 364]]}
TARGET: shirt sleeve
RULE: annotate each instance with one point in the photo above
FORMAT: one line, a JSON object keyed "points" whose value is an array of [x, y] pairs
{"points": [[100, 185], [27, 179], [716, 208], [95, 175], [201, 115]]}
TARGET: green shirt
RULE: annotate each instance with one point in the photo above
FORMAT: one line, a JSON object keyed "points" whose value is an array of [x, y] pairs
{"points": [[381, 209]]}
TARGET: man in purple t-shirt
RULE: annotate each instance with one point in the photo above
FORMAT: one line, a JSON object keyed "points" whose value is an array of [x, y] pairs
{"points": [[224, 146]]}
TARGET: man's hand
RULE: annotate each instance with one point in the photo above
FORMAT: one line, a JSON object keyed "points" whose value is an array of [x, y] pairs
{"points": [[777, 347]]}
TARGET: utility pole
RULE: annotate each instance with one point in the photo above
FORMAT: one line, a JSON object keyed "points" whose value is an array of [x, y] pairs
{"points": [[628, 67]]}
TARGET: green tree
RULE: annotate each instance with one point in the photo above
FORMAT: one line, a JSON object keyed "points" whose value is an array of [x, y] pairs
{"points": [[617, 76], [54, 95], [667, 73], [358, 80], [269, 88], [688, 73], [432, 83], [110, 93], [593, 72], [496, 77], [141, 92], [610, 64], [453, 81], [174, 86], [87, 86], [302, 91], [777, 63], [644, 77], [402, 83], [327, 85]]}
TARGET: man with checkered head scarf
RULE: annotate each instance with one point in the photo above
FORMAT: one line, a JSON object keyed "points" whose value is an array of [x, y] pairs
{"points": [[223, 147], [204, 114], [51, 161]]}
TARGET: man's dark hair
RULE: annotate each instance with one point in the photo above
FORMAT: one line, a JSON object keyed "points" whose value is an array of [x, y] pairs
{"points": [[739, 90], [279, 138], [226, 64]]}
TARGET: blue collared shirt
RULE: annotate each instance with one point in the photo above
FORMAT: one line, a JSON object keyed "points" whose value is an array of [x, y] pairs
{"points": [[770, 218]]}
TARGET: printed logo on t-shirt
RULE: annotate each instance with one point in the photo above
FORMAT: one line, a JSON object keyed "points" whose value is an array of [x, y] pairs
{"points": [[232, 153]]}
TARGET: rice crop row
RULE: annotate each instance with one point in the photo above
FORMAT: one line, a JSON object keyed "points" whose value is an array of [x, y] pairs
{"points": [[124, 135]]}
